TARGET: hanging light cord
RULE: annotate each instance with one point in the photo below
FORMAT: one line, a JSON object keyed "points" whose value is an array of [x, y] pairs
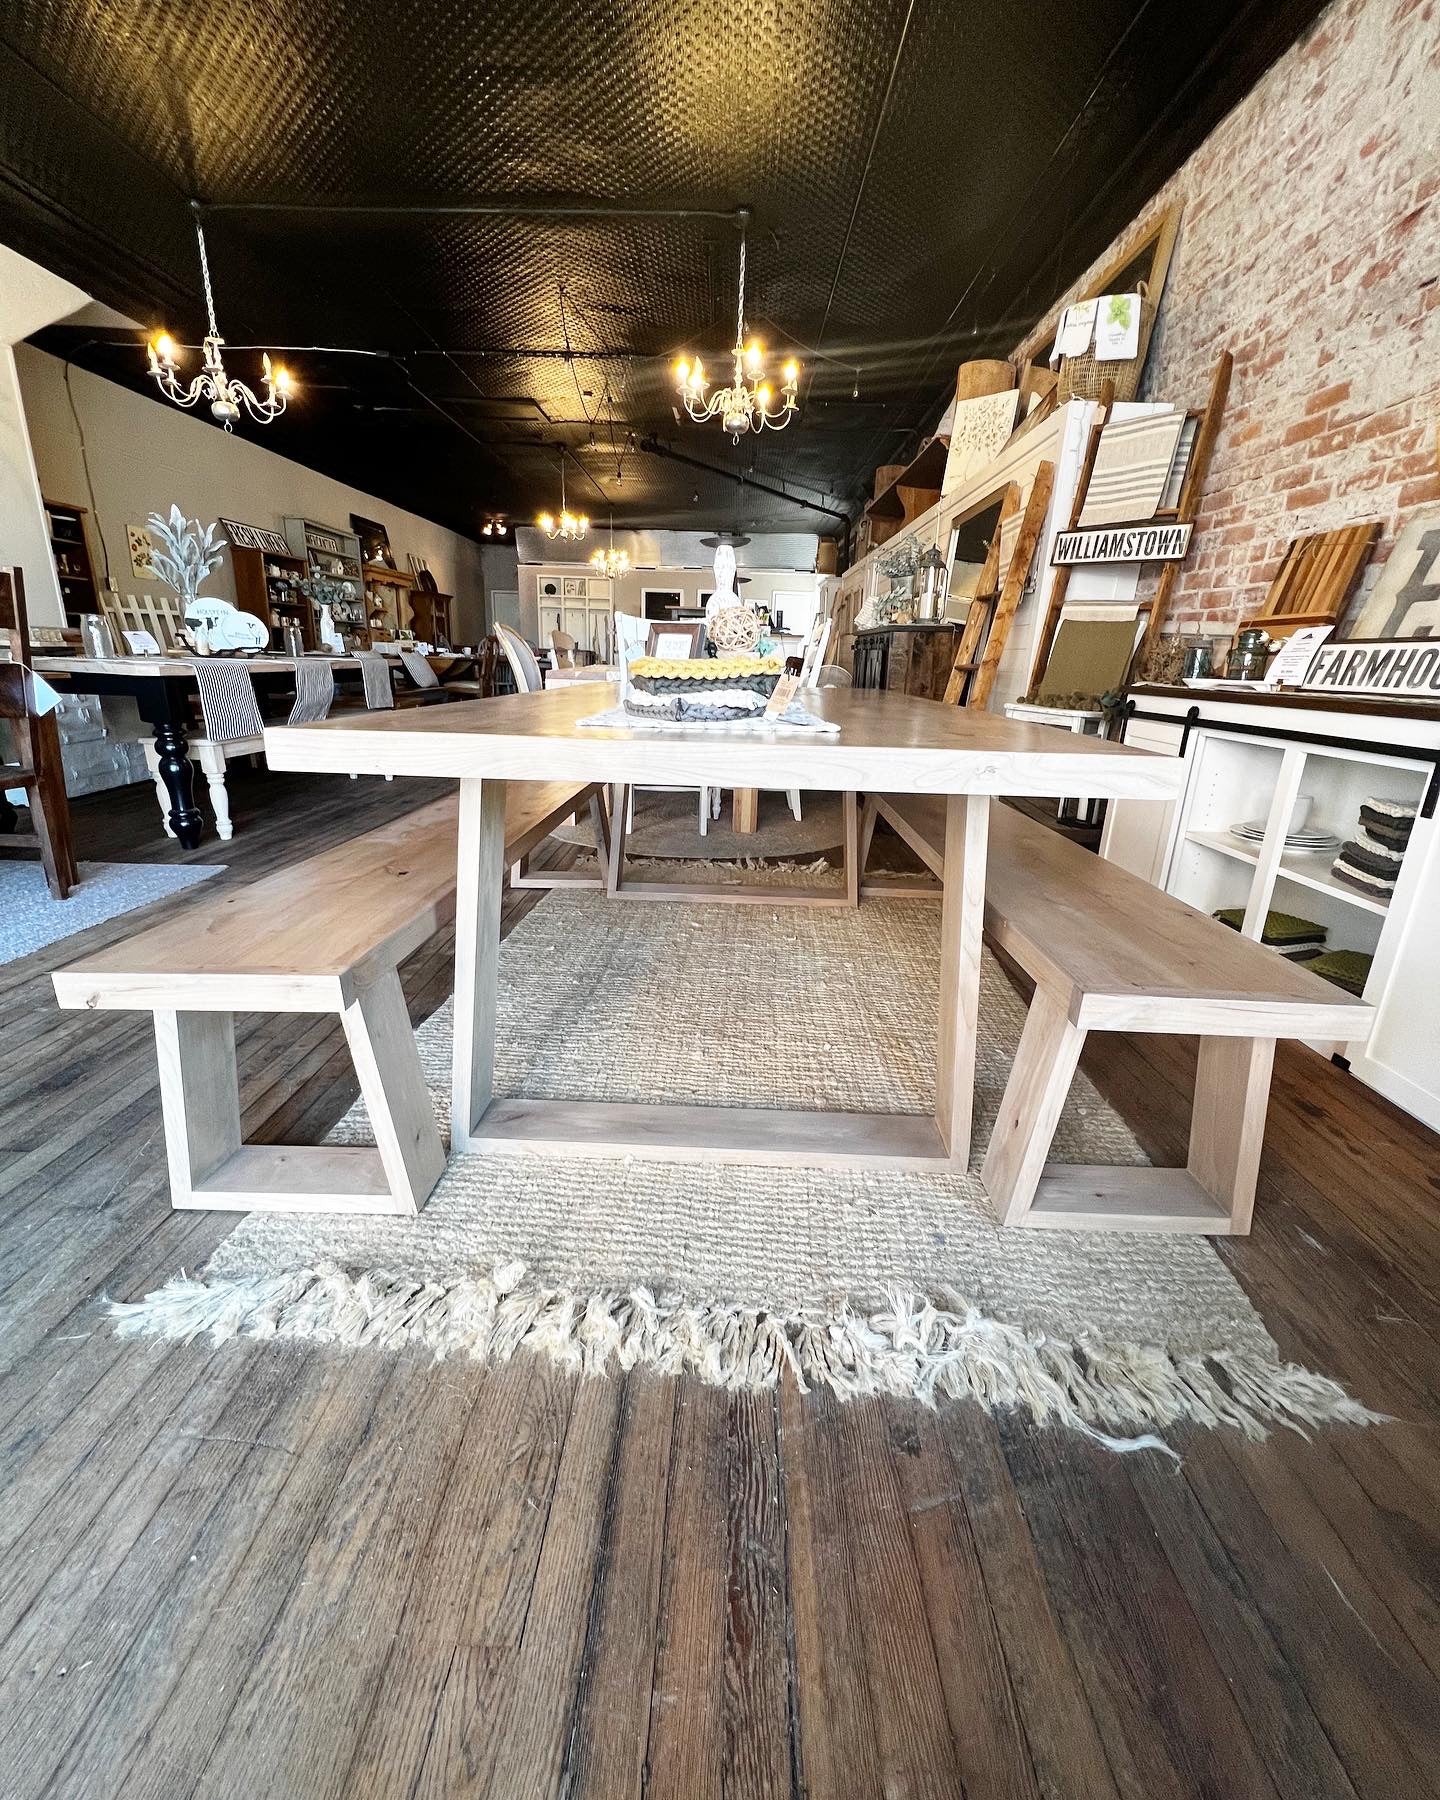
{"points": [[740, 307]]}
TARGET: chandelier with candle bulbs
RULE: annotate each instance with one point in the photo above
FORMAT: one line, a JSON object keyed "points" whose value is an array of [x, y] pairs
{"points": [[569, 527], [610, 562], [225, 394], [749, 403]]}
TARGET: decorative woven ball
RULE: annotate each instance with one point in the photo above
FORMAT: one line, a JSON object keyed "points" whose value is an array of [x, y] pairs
{"points": [[734, 628]]}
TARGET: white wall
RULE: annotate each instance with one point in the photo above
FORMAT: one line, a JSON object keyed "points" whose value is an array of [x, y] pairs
{"points": [[143, 455], [758, 586], [29, 298]]}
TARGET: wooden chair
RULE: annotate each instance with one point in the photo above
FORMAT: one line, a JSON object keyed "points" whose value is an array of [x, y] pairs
{"points": [[524, 665], [562, 650], [37, 767]]}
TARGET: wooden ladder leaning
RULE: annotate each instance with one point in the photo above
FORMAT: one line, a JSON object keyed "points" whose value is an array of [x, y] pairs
{"points": [[992, 612]]}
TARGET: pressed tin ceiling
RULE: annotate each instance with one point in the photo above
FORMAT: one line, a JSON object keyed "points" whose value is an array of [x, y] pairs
{"points": [[925, 177]]}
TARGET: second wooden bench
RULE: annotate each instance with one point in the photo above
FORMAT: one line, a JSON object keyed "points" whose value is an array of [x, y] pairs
{"points": [[1109, 952]]}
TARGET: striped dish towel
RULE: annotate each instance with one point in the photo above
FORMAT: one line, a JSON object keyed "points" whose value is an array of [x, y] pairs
{"points": [[227, 700], [314, 692], [375, 672], [419, 670]]}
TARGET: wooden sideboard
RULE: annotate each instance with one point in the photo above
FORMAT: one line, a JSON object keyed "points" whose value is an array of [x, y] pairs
{"points": [[906, 659]]}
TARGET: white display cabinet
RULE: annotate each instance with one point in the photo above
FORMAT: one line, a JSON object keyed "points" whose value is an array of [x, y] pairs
{"points": [[1254, 757]]}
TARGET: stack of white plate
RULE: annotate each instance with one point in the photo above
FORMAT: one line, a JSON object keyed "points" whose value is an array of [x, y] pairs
{"points": [[1253, 830]]}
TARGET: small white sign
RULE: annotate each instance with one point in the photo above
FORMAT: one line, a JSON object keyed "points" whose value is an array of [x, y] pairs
{"points": [[1130, 543], [141, 643], [1296, 655]]}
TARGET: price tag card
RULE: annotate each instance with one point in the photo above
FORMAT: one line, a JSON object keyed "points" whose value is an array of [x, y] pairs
{"points": [[1295, 656], [786, 689], [141, 643]]}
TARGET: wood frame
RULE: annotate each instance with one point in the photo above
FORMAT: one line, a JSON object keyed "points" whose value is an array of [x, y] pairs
{"points": [[617, 885], [1159, 238], [976, 664], [689, 629]]}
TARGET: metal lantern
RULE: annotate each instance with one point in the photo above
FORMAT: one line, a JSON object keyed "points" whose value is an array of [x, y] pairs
{"points": [[930, 585]]}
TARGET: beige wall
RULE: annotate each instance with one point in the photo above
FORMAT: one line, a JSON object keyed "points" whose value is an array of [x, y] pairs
{"points": [[143, 455], [29, 298]]}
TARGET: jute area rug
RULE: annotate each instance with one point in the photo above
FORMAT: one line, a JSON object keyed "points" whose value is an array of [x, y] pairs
{"points": [[893, 1283]]}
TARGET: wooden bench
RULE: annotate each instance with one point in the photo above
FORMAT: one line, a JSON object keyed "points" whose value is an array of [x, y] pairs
{"points": [[1109, 952], [325, 935]]}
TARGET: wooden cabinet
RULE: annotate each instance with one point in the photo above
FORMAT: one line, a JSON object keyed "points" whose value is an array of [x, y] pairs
{"points": [[1255, 756], [71, 550], [268, 585], [906, 659]]}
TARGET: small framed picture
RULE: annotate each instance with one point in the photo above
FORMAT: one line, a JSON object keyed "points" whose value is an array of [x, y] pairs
{"points": [[678, 641]]}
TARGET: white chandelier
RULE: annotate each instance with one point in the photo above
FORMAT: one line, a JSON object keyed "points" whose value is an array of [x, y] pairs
{"points": [[610, 562], [741, 407], [225, 394], [569, 527]]}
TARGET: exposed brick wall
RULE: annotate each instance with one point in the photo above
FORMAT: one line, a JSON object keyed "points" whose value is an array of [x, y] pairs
{"points": [[1310, 247]]}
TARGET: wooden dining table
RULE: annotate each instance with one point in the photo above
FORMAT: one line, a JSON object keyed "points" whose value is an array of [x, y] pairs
{"points": [[163, 688], [886, 743]]}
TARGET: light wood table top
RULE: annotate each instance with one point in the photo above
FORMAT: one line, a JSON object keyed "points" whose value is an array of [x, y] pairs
{"points": [[181, 666], [886, 743]]}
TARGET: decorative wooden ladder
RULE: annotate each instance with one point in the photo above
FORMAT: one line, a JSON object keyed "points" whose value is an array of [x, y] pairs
{"points": [[992, 612]]}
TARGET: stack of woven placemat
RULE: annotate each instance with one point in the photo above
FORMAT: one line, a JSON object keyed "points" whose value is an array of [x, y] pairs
{"points": [[1370, 861]]}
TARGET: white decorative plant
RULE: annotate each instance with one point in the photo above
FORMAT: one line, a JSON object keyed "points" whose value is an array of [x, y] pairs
{"points": [[190, 552]]}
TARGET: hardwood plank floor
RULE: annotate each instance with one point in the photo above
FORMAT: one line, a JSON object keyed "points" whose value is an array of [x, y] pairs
{"points": [[273, 1569]]}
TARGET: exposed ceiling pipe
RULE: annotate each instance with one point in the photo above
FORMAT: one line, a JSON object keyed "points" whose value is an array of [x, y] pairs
{"points": [[653, 447], [498, 207]]}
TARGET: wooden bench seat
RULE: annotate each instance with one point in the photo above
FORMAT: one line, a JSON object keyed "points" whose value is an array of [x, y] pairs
{"points": [[324, 935], [1109, 952]]}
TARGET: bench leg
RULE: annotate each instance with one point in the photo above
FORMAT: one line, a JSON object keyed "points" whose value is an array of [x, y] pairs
{"points": [[962, 919], [1040, 1079], [199, 1096], [481, 877], [620, 803], [1227, 1127], [377, 1028], [853, 859]]}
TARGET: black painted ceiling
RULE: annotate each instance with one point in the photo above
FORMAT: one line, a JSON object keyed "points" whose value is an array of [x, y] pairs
{"points": [[926, 176]]}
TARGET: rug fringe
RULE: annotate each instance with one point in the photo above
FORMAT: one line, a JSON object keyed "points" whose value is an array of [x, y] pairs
{"points": [[1119, 1394]]}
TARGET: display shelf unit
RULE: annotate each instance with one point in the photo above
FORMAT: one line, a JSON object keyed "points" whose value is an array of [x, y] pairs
{"points": [[266, 584], [70, 549], [1254, 758]]}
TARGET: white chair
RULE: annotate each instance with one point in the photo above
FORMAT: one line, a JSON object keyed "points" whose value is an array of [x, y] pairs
{"points": [[234, 727], [635, 637], [521, 658]]}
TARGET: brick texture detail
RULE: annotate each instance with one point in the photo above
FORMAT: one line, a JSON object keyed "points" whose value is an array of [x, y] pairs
{"points": [[1310, 247]]}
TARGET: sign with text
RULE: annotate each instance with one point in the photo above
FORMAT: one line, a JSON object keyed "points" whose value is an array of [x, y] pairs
{"points": [[255, 537], [1399, 668], [1122, 543]]}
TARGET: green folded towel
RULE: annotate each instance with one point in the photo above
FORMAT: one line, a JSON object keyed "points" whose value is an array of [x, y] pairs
{"points": [[1282, 929], [1349, 969]]}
